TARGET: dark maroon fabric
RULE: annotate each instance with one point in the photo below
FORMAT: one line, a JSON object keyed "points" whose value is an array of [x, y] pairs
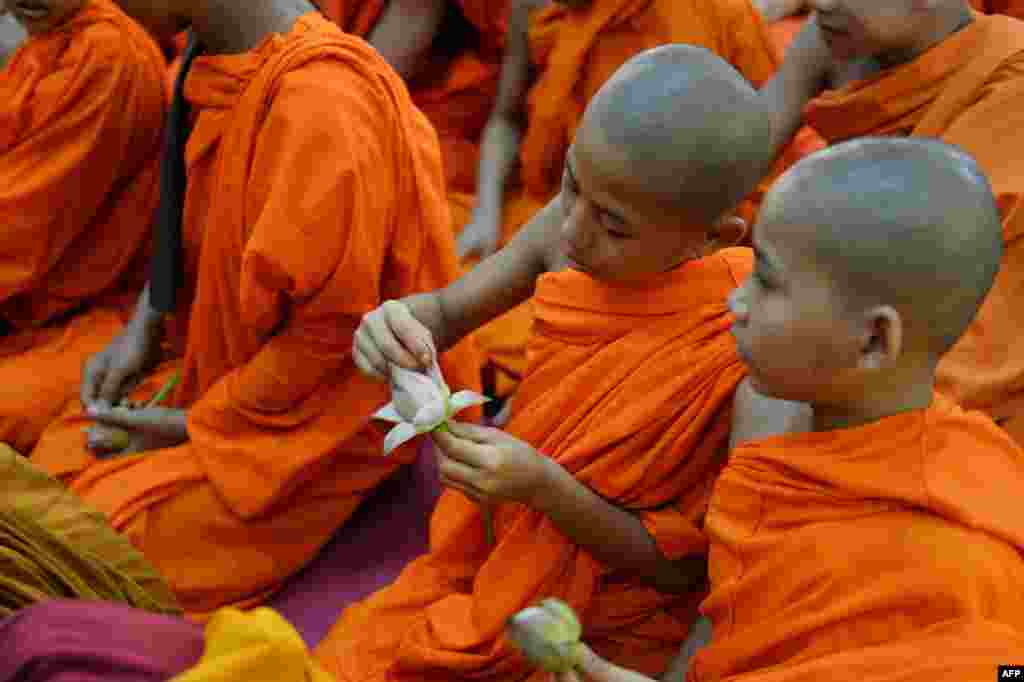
{"points": [[386, 533], [76, 641], [79, 641]]}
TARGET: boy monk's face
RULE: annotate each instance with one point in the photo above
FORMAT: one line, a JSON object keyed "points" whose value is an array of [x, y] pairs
{"points": [[40, 16], [857, 29], [616, 226], [790, 329]]}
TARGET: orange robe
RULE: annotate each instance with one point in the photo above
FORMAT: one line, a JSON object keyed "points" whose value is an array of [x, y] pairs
{"points": [[968, 91], [1014, 8], [456, 94], [629, 389], [891, 551], [315, 193], [81, 117], [575, 53]]}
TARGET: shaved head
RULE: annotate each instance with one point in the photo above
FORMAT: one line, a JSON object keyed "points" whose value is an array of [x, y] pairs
{"points": [[906, 222], [687, 126]]}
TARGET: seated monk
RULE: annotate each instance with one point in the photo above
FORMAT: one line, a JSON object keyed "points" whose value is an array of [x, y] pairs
{"points": [[597, 489], [81, 115], [314, 192], [879, 537], [939, 70], [558, 55]]}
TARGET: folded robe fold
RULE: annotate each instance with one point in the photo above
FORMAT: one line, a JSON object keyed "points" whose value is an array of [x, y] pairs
{"points": [[894, 548], [967, 91], [630, 389], [81, 117], [315, 192]]}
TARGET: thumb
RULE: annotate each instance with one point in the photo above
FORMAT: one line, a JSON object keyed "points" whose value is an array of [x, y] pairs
{"points": [[600, 670]]}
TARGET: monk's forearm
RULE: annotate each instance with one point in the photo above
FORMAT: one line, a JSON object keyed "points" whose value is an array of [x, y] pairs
{"points": [[405, 32], [612, 535], [800, 78], [499, 152]]}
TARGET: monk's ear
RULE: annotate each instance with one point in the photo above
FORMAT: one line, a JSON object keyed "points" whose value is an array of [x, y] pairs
{"points": [[883, 338], [729, 230]]}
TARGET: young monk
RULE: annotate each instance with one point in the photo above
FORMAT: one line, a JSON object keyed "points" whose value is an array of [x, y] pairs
{"points": [[881, 538], [314, 192], [558, 55], [597, 487], [936, 69], [81, 116]]}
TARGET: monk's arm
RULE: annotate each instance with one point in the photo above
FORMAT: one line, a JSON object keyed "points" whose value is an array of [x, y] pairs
{"points": [[800, 78], [500, 145], [493, 287], [404, 33], [614, 537], [756, 416]]}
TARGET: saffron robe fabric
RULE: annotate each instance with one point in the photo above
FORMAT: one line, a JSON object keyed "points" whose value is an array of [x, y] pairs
{"points": [[81, 118], [52, 546], [967, 91], [315, 192], [456, 93], [575, 52], [630, 389], [894, 548]]}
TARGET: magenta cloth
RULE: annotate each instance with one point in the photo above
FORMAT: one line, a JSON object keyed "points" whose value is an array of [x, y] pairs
{"points": [[388, 531], [79, 641]]}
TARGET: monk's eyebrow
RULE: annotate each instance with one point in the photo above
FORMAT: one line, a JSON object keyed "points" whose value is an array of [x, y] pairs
{"points": [[615, 215]]}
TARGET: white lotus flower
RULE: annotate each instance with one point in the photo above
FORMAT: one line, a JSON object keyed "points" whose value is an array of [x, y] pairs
{"points": [[421, 403]]}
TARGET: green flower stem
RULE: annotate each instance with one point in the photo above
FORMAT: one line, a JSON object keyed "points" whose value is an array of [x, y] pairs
{"points": [[165, 390]]}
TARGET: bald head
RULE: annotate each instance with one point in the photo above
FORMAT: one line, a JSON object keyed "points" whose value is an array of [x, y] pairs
{"points": [[906, 222], [687, 125]]}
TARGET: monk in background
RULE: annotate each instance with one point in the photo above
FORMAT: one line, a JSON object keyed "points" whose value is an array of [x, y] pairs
{"points": [[449, 53], [314, 192], [558, 55], [877, 535], [598, 486], [81, 116], [938, 70]]}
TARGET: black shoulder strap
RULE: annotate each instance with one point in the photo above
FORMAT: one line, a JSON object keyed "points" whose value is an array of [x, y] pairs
{"points": [[166, 268]]}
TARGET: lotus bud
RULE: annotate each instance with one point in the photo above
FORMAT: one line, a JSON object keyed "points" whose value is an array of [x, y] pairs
{"points": [[421, 403], [548, 635]]}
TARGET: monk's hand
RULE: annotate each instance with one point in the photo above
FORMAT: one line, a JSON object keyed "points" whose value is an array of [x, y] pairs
{"points": [[593, 667], [123, 430], [490, 465], [390, 335], [109, 375], [479, 237]]}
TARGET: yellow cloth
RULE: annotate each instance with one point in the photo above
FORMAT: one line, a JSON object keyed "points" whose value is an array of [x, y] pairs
{"points": [[256, 646]]}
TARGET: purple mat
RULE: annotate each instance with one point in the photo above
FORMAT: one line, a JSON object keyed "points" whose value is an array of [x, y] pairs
{"points": [[77, 641], [389, 530]]}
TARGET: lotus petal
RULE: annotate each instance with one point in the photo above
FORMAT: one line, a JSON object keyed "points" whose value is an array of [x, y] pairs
{"points": [[399, 435]]}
